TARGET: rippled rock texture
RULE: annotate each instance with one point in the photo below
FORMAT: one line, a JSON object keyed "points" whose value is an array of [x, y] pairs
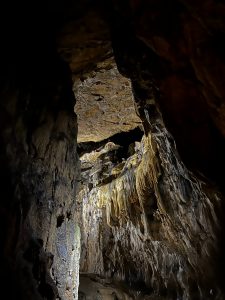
{"points": [[39, 166], [148, 222], [39, 174]]}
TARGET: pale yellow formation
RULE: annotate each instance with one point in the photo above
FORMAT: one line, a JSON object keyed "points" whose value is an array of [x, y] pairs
{"points": [[138, 173]]}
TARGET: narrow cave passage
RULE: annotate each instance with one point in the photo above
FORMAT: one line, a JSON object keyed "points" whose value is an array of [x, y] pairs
{"points": [[124, 199], [109, 139]]}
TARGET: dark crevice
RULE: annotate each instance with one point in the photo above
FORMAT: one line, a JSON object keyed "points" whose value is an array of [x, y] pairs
{"points": [[69, 215], [123, 139], [60, 220]]}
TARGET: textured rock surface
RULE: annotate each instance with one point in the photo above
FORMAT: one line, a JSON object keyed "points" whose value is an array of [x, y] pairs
{"points": [[150, 228], [94, 287], [178, 46], [149, 223], [104, 97], [85, 41], [158, 227], [41, 149], [105, 104], [40, 238]]}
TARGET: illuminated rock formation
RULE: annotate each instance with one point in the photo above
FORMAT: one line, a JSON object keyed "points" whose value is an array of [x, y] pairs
{"points": [[146, 222], [145, 212]]}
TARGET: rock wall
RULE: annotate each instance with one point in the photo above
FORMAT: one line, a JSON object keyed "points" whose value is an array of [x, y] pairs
{"points": [[100, 111], [42, 241], [176, 48], [40, 237], [149, 223]]}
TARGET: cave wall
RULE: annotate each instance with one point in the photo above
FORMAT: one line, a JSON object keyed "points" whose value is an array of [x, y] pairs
{"points": [[173, 54], [40, 236], [178, 45], [149, 225]]}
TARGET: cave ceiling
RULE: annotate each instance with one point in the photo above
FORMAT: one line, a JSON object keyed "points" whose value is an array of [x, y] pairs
{"points": [[104, 98], [177, 50]]}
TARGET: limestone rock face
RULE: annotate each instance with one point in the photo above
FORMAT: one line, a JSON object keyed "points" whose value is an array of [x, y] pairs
{"points": [[85, 41], [104, 99], [42, 241], [148, 222], [179, 47], [150, 227], [105, 104]]}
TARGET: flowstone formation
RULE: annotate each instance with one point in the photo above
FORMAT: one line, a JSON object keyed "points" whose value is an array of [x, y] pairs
{"points": [[146, 222]]}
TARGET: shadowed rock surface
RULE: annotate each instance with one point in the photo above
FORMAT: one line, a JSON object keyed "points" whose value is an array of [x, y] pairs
{"points": [[143, 215]]}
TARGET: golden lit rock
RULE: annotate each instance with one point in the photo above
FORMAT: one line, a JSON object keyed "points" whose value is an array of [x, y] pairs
{"points": [[105, 104]]}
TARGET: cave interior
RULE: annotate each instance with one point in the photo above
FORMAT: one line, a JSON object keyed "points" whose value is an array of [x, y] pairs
{"points": [[112, 151]]}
